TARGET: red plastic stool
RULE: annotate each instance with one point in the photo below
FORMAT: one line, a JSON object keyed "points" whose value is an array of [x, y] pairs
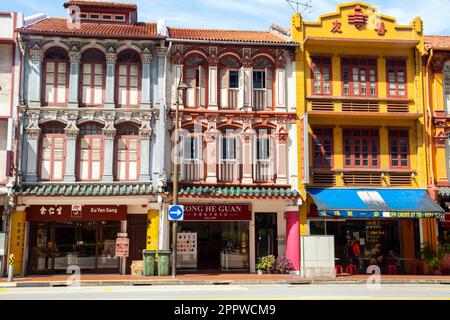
{"points": [[351, 269], [416, 269], [339, 269], [392, 269]]}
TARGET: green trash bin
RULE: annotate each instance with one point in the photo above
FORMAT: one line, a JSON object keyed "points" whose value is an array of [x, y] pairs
{"points": [[148, 257], [163, 262]]}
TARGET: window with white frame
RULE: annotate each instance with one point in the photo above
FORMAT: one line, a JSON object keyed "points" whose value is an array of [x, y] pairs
{"points": [[446, 80], [56, 79], [92, 77], [127, 152], [90, 145], [52, 152], [129, 81], [263, 140]]}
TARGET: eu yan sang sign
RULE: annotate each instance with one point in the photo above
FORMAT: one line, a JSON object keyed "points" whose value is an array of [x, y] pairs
{"points": [[76, 213]]}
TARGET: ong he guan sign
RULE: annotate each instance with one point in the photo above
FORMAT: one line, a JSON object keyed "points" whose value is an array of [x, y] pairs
{"points": [[217, 212]]}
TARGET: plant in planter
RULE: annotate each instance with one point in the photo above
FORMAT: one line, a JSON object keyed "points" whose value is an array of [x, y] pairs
{"points": [[283, 264], [260, 266], [432, 257], [269, 263]]}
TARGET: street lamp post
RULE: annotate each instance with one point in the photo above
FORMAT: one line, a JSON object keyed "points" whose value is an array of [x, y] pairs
{"points": [[182, 87]]}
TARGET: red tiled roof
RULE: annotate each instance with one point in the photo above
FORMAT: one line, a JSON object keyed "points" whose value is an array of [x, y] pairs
{"points": [[102, 4], [438, 42], [227, 35], [56, 26]]}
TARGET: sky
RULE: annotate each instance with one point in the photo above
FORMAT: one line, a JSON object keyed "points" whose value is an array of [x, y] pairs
{"points": [[251, 14]]}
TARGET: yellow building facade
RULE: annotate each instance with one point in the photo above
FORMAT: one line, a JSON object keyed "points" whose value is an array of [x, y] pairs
{"points": [[436, 66], [363, 154]]}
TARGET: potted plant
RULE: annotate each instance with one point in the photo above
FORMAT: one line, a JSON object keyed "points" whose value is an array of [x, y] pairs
{"points": [[260, 267], [283, 264], [269, 263], [432, 257]]}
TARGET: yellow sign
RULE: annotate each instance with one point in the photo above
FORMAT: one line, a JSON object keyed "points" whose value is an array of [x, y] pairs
{"points": [[152, 230], [12, 260], [17, 245]]}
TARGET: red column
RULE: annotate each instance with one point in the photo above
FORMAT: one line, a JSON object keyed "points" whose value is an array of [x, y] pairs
{"points": [[293, 236]]}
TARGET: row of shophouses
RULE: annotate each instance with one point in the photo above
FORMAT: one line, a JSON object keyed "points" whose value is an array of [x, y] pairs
{"points": [[334, 127]]}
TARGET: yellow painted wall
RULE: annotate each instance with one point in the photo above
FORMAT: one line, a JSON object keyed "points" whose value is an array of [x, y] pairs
{"points": [[152, 230], [17, 244]]}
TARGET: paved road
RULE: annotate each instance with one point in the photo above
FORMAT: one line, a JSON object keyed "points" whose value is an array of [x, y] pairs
{"points": [[219, 292]]}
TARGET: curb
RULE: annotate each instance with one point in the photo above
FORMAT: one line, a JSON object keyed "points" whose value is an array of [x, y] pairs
{"points": [[112, 283]]}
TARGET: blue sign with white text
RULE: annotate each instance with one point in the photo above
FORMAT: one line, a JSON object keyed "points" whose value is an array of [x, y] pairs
{"points": [[176, 213]]}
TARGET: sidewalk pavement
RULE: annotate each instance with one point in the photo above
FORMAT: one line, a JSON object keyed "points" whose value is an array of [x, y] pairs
{"points": [[215, 279]]}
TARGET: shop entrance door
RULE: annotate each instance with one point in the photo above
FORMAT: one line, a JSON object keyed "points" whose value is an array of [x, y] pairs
{"points": [[137, 232], [266, 234]]}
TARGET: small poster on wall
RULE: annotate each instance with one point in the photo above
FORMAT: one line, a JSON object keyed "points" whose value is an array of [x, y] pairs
{"points": [[122, 247]]}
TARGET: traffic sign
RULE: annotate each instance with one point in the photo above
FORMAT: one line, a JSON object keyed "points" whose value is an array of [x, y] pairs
{"points": [[176, 213], [12, 260]]}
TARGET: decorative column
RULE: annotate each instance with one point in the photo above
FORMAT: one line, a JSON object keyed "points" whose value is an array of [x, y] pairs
{"points": [[157, 145], [74, 55], [211, 156], [33, 133], [177, 62], [71, 132], [212, 85], [281, 152], [145, 132], [111, 58], [293, 236], [245, 81], [146, 59], [34, 79], [280, 82], [248, 160], [109, 132]]}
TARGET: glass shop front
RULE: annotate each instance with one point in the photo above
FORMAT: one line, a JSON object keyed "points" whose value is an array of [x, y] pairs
{"points": [[214, 238], [63, 236]]}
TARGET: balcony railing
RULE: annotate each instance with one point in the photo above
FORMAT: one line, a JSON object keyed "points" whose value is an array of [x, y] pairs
{"points": [[192, 170], [233, 98], [361, 105], [259, 99], [228, 171], [264, 171]]}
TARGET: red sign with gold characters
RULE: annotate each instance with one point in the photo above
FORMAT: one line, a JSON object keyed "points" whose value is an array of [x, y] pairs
{"points": [[217, 212], [76, 213]]}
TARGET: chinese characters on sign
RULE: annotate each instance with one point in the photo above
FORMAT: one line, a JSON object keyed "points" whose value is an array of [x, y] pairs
{"points": [[122, 247], [76, 213]]}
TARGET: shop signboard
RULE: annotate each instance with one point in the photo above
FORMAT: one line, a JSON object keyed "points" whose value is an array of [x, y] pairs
{"points": [[76, 213], [217, 212], [122, 247]]}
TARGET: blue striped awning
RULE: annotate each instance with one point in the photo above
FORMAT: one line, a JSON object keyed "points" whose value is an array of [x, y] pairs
{"points": [[375, 203]]}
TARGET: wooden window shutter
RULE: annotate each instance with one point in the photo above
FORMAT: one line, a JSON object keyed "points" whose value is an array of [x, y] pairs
{"points": [[224, 75]]}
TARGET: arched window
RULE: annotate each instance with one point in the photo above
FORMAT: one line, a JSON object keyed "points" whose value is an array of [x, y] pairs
{"points": [[446, 76], [229, 155], [52, 152], [90, 146], [265, 160], [262, 83], [56, 76], [128, 79], [92, 78], [196, 79], [127, 152], [229, 81], [192, 167]]}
